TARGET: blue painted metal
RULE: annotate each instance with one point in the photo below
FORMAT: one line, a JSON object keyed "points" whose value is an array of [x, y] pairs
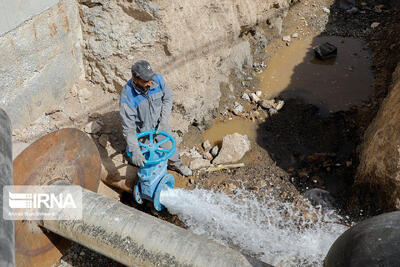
{"points": [[153, 175]]}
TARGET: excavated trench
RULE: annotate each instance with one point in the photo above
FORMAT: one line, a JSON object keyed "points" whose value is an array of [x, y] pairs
{"points": [[313, 141]]}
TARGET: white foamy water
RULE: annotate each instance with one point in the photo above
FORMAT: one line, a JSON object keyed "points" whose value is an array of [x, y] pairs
{"points": [[273, 231]]}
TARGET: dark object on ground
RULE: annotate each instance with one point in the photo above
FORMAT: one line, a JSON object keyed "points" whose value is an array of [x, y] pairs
{"points": [[325, 51], [320, 197], [373, 242]]}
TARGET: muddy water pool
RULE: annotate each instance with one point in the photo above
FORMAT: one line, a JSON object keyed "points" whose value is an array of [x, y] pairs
{"points": [[331, 85], [293, 72], [236, 125]]}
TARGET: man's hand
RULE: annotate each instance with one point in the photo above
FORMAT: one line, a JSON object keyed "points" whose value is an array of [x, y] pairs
{"points": [[161, 127], [138, 158]]}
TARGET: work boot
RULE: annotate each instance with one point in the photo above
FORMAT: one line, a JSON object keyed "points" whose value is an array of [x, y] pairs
{"points": [[180, 168]]}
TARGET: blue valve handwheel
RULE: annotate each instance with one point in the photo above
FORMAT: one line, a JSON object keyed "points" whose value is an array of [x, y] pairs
{"points": [[151, 148]]}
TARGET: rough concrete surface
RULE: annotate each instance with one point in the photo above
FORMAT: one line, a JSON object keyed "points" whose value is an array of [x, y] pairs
{"points": [[41, 59], [15, 12], [194, 44], [380, 154]]}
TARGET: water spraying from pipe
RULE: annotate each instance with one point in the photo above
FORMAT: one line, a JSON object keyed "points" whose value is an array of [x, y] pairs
{"points": [[276, 232]]}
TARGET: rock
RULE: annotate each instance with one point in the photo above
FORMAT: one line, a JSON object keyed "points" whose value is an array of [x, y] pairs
{"points": [[111, 150], [374, 25], [259, 93], [326, 10], [262, 184], [82, 253], [325, 51], [295, 35], [232, 186], [192, 153], [272, 111], [92, 127], [279, 105], [234, 146], [214, 151], [207, 155], [277, 24], [116, 156], [254, 98], [237, 110], [286, 38], [378, 8], [255, 114], [267, 104], [231, 88], [103, 140], [246, 97], [199, 163], [352, 10], [320, 197], [206, 145]]}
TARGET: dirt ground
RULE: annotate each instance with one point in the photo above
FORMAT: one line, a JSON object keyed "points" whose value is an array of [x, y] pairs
{"points": [[294, 150]]}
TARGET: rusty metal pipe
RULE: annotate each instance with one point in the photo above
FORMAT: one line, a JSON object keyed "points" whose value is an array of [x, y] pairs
{"points": [[134, 238], [7, 257]]}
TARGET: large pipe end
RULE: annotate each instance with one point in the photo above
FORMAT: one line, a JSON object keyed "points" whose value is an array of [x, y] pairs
{"points": [[166, 182]]}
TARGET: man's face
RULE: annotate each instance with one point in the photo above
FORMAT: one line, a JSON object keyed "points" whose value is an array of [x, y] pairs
{"points": [[142, 83]]}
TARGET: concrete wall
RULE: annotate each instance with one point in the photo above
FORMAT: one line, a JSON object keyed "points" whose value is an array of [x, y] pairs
{"points": [[41, 58], [14, 12]]}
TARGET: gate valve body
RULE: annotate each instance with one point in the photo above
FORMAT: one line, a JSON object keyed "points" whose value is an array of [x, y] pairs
{"points": [[153, 176]]}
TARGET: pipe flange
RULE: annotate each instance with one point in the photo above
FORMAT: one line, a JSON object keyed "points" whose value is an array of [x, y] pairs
{"points": [[67, 155]]}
